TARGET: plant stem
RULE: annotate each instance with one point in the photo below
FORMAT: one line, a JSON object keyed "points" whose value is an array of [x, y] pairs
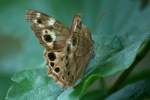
{"points": [[145, 48]]}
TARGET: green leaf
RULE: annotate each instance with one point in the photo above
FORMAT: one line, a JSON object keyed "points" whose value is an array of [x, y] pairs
{"points": [[33, 84], [144, 74], [94, 95], [136, 91], [5, 83], [119, 29]]}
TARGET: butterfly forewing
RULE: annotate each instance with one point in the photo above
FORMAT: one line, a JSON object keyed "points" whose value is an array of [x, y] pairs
{"points": [[51, 33]]}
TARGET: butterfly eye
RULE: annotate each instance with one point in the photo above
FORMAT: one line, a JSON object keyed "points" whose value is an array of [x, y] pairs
{"points": [[48, 38], [57, 69], [51, 56]]}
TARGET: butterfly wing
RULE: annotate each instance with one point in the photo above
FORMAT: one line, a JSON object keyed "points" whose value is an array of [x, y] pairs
{"points": [[72, 61], [53, 36], [67, 52], [83, 44], [51, 33]]}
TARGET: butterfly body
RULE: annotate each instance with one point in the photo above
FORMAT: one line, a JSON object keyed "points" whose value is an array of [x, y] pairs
{"points": [[67, 51]]}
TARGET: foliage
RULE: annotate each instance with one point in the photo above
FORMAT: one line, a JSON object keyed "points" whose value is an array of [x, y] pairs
{"points": [[120, 30]]}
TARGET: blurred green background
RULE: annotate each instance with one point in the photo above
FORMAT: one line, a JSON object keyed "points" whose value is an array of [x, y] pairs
{"points": [[19, 49]]}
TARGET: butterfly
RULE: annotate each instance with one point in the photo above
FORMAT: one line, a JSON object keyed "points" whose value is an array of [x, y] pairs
{"points": [[67, 51]]}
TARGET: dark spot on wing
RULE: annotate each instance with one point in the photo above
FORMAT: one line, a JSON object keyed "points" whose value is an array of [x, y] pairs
{"points": [[39, 21], [57, 69], [51, 56], [74, 41], [48, 38], [52, 64], [68, 73]]}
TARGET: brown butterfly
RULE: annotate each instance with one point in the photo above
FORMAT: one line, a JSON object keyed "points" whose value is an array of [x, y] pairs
{"points": [[67, 51]]}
